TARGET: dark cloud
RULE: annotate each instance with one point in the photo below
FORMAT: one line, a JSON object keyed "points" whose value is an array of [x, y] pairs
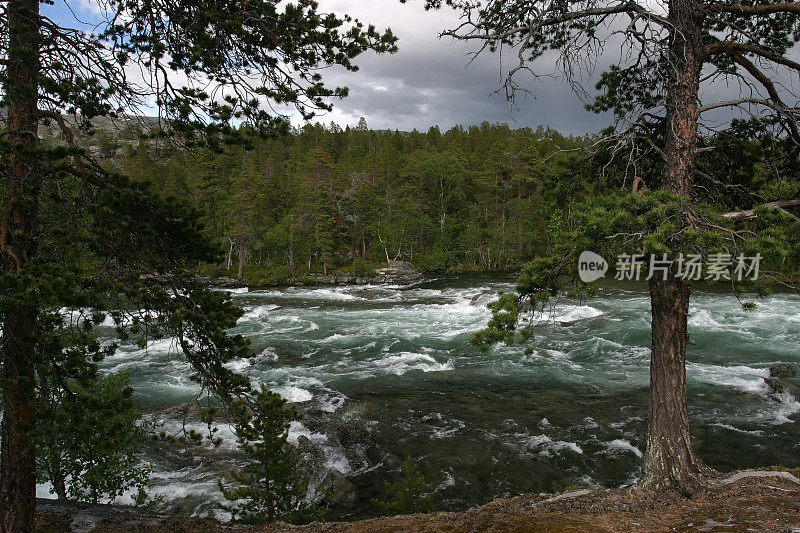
{"points": [[429, 82]]}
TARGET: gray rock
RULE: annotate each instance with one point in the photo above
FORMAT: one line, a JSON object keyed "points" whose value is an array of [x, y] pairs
{"points": [[399, 272], [223, 283], [785, 385], [783, 370], [401, 266], [336, 489]]}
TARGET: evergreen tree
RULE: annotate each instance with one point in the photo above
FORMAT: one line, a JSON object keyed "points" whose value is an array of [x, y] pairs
{"points": [[74, 234], [407, 495], [655, 94], [269, 483]]}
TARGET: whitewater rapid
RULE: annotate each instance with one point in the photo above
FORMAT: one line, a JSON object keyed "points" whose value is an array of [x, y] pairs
{"points": [[569, 412]]}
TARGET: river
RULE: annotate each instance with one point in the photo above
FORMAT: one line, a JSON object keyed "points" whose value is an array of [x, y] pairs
{"points": [[483, 425]]}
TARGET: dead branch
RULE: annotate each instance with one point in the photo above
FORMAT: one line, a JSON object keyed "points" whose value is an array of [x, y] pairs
{"points": [[777, 206]]}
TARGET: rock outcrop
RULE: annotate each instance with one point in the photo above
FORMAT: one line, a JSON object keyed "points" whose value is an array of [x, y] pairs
{"points": [[398, 272], [784, 378]]}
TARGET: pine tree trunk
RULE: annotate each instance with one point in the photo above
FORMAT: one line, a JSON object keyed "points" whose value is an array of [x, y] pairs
{"points": [[670, 461], [17, 246], [56, 475], [17, 459]]}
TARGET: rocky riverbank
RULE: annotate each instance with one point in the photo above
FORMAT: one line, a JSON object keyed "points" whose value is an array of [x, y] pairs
{"points": [[745, 501], [396, 273], [334, 448]]}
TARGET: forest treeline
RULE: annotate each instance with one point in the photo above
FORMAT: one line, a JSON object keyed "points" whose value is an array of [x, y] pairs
{"points": [[322, 197]]}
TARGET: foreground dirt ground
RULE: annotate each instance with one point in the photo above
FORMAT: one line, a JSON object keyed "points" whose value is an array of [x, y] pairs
{"points": [[747, 501]]}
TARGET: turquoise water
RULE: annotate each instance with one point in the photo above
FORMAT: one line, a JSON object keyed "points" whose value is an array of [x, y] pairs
{"points": [[485, 425]]}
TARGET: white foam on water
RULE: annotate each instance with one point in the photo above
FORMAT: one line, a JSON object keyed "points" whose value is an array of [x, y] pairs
{"points": [[176, 426], [163, 346], [330, 403], [619, 446], [562, 358], [451, 426], [703, 320], [280, 324], [549, 447], [589, 423], [237, 290], [742, 377], [335, 460], [206, 491], [335, 337], [337, 294], [43, 490], [580, 312], [449, 481], [403, 362], [756, 432], [257, 312], [237, 365], [787, 406], [294, 394]]}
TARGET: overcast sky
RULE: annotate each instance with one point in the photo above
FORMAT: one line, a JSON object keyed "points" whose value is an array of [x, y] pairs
{"points": [[429, 83]]}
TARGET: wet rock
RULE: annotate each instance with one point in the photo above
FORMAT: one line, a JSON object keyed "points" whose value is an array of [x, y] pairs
{"points": [[312, 459], [223, 283], [349, 433], [398, 272], [783, 378], [336, 489], [401, 266], [783, 370], [790, 386], [402, 274]]}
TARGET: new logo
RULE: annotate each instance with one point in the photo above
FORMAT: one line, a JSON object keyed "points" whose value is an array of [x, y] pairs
{"points": [[591, 266]]}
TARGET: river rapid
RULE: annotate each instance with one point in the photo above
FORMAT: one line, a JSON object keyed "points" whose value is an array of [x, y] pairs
{"points": [[396, 363]]}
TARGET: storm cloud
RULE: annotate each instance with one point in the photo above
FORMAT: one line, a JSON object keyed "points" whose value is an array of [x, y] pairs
{"points": [[431, 82]]}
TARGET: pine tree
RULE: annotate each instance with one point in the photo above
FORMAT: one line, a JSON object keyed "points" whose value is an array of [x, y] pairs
{"points": [[655, 94], [406, 496], [270, 483], [76, 234]]}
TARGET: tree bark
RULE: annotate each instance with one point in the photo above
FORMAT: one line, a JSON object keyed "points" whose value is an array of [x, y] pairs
{"points": [[17, 458], [56, 475], [17, 247], [685, 63], [670, 461]]}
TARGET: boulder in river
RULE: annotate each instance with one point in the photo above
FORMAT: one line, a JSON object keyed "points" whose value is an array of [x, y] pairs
{"points": [[783, 378], [783, 370]]}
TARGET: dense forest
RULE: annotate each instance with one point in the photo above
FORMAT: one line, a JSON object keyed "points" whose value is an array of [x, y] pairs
{"points": [[322, 197]]}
